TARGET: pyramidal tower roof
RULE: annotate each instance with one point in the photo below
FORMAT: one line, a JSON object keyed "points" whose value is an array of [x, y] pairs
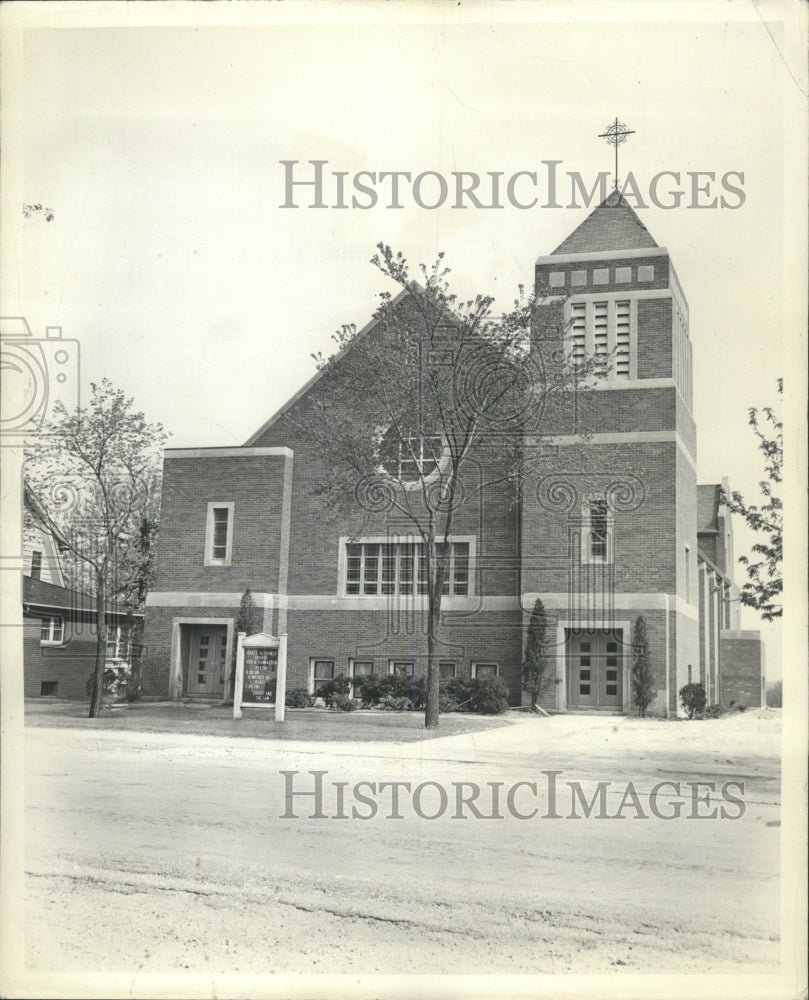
{"points": [[612, 226]]}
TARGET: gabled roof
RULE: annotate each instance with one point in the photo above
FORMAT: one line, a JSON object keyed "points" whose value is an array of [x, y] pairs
{"points": [[319, 374], [612, 226], [708, 509], [38, 593]]}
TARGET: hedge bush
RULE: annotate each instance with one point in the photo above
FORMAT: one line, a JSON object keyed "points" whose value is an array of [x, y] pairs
{"points": [[400, 693], [299, 698]]}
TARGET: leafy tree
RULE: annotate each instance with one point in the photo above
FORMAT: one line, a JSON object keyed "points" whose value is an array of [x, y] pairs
{"points": [[764, 584], [642, 690], [94, 481], [408, 409], [538, 665]]}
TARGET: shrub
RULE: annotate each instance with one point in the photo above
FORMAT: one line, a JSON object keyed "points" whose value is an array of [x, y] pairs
{"points": [[341, 703], [489, 696], [693, 699], [775, 695], [392, 703], [711, 712], [339, 685], [459, 689], [446, 703], [368, 687], [299, 698]]}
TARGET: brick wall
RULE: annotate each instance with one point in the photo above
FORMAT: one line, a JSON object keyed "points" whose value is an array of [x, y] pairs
{"points": [[70, 666], [742, 655], [255, 485]]}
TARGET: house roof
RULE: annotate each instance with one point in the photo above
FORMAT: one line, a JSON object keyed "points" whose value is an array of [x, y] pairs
{"points": [[708, 509], [612, 226], [38, 593]]}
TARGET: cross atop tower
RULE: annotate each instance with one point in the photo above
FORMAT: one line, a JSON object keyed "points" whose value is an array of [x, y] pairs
{"points": [[616, 133]]}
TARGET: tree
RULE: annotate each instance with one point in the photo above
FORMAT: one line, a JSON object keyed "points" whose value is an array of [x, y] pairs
{"points": [[762, 590], [406, 409], [642, 691], [247, 622], [94, 481], [538, 666]]}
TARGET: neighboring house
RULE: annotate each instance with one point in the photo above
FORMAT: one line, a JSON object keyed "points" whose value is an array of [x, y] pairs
{"points": [[630, 535], [59, 645]]}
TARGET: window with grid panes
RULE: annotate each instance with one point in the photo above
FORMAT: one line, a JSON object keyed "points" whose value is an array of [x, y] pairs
{"points": [[377, 569]]}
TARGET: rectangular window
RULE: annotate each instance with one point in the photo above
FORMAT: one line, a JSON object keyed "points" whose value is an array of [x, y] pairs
{"points": [[688, 574], [578, 332], [118, 642], [320, 671], [622, 339], [36, 565], [53, 630], [219, 534], [376, 569], [358, 669], [596, 546], [403, 668], [446, 670], [598, 530], [484, 670]]}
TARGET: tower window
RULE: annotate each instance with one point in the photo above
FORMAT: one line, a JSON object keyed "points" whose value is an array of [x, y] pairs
{"points": [[602, 329], [36, 565], [597, 533]]}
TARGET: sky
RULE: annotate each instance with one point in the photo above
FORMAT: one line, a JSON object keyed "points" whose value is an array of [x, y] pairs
{"points": [[156, 135]]}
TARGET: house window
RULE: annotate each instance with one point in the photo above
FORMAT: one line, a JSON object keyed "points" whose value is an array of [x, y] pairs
{"points": [[320, 671], [446, 670], [597, 533], [357, 669], [602, 328], [48, 689], [36, 565], [374, 569], [119, 642], [484, 669], [403, 668], [53, 630], [219, 534]]}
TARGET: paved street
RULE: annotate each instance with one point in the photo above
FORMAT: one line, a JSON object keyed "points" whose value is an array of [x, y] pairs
{"points": [[167, 853]]}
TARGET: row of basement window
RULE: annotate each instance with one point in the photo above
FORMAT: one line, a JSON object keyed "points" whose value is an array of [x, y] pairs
{"points": [[601, 276], [322, 670]]}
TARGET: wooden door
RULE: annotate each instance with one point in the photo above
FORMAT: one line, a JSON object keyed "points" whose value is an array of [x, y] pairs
{"points": [[207, 664], [595, 670]]}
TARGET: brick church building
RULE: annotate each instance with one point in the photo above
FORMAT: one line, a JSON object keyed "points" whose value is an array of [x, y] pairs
{"points": [[633, 535]]}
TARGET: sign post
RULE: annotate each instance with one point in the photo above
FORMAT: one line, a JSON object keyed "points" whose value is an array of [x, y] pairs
{"points": [[257, 673], [281, 685]]}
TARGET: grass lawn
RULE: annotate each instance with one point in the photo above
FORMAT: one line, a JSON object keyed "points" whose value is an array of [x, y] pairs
{"points": [[309, 724]]}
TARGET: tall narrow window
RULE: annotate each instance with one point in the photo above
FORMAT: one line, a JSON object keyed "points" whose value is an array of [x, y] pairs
{"points": [[598, 530], [622, 338], [219, 534], [688, 574], [579, 332], [36, 565], [601, 328]]}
